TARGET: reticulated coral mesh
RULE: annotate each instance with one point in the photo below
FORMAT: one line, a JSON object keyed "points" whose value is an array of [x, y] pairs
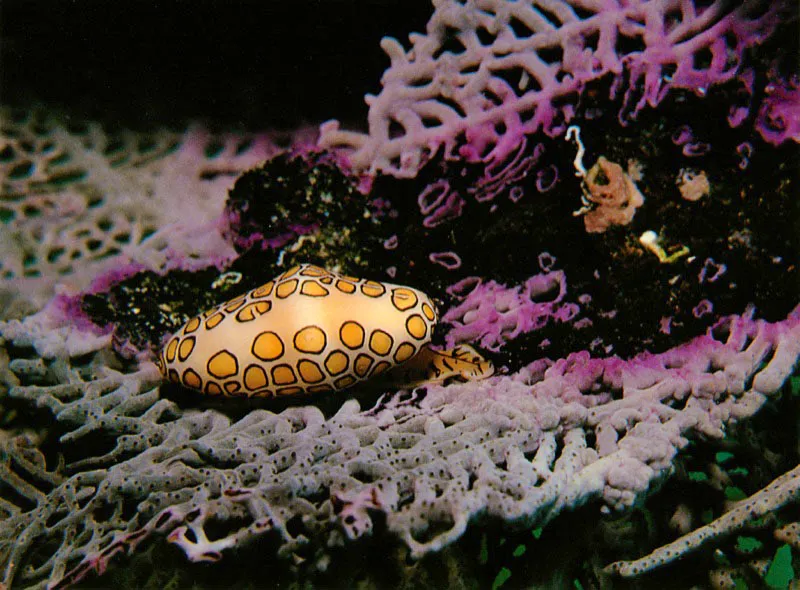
{"points": [[76, 200], [521, 448], [488, 72]]}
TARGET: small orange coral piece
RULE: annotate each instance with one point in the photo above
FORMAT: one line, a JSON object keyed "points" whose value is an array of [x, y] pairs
{"points": [[614, 193], [693, 185]]}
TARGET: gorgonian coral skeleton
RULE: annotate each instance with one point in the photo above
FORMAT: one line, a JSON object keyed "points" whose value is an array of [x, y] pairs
{"points": [[488, 73], [520, 448]]}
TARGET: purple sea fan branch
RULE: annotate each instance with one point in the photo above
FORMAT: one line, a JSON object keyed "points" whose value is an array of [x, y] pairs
{"points": [[491, 93], [779, 116], [492, 314]]}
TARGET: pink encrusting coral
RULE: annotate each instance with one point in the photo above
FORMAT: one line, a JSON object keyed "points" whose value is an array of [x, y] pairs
{"points": [[487, 73], [779, 115], [492, 314]]}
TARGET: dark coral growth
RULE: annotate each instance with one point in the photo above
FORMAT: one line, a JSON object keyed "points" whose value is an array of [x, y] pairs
{"points": [[742, 238], [147, 306], [292, 196], [459, 219], [291, 209]]}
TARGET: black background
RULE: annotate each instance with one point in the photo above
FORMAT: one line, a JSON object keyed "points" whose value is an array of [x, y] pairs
{"points": [[238, 63]]}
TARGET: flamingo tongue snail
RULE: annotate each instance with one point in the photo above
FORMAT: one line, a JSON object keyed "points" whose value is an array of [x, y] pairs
{"points": [[311, 330]]}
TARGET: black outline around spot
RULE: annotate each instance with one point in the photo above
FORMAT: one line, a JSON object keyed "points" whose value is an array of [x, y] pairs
{"points": [[290, 293], [355, 363], [253, 346], [209, 384], [348, 284], [397, 307], [254, 313], [272, 374], [311, 282], [234, 385], [413, 352], [244, 377], [233, 304], [373, 284], [316, 271], [208, 321], [187, 339], [174, 355], [215, 355], [433, 311], [316, 366], [424, 323], [291, 272], [246, 308], [378, 364], [199, 379], [267, 294], [324, 340], [186, 329], [346, 364], [363, 334], [391, 342], [337, 383]]}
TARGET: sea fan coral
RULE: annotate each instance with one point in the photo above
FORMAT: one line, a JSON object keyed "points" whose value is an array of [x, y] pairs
{"points": [[463, 188]]}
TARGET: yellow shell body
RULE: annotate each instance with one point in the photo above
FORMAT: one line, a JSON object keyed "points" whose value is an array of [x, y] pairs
{"points": [[307, 331]]}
